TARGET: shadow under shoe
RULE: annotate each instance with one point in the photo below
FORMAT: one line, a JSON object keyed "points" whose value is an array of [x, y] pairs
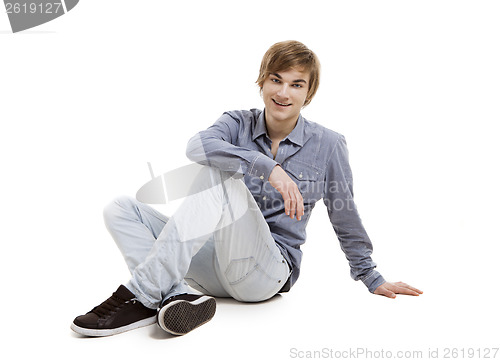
{"points": [[119, 313]]}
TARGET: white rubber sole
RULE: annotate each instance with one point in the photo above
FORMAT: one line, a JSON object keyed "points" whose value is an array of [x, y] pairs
{"points": [[181, 316], [110, 332]]}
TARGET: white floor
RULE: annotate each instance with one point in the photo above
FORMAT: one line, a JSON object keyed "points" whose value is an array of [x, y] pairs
{"points": [[325, 314]]}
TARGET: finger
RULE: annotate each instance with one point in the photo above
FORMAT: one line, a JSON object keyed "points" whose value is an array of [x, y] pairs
{"points": [[404, 290], [300, 206], [287, 205], [293, 206], [414, 289], [409, 291], [401, 284], [385, 292]]}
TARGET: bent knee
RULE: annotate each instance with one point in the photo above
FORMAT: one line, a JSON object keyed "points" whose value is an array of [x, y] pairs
{"points": [[118, 206]]}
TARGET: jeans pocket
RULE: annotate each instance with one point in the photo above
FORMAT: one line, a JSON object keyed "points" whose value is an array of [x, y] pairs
{"points": [[249, 282]]}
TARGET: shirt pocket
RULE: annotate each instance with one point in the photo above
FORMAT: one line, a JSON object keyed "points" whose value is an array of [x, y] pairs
{"points": [[307, 178]]}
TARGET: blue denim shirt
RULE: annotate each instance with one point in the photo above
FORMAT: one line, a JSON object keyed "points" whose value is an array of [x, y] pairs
{"points": [[316, 158]]}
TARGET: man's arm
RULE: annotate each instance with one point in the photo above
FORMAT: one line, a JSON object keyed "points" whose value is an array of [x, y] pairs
{"points": [[344, 217], [347, 224], [217, 147]]}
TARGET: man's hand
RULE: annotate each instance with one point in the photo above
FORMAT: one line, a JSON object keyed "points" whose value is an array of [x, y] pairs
{"points": [[390, 290], [294, 204]]}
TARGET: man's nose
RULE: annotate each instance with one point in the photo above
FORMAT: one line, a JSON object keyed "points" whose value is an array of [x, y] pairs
{"points": [[283, 91]]}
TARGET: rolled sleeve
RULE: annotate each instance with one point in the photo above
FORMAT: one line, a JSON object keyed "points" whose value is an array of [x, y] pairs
{"points": [[373, 280], [261, 167]]}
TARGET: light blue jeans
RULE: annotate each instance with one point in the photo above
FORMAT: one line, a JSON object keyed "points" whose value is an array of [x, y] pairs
{"points": [[217, 241]]}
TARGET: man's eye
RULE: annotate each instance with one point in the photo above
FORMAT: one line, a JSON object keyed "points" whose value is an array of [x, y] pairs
{"points": [[297, 85], [274, 80]]}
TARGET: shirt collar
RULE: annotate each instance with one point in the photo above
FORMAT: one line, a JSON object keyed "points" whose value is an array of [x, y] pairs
{"points": [[260, 127], [296, 136]]}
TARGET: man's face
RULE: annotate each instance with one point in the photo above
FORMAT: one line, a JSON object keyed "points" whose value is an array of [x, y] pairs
{"points": [[284, 94]]}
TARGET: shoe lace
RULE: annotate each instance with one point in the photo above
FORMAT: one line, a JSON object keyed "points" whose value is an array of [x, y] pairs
{"points": [[110, 305]]}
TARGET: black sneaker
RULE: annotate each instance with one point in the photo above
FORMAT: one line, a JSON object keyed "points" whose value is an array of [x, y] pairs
{"points": [[183, 313], [119, 313]]}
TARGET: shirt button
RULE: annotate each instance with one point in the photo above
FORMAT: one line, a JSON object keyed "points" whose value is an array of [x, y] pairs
{"points": [[262, 177], [264, 198], [300, 176]]}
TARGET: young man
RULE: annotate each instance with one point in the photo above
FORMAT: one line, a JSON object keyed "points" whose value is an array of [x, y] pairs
{"points": [[239, 237]]}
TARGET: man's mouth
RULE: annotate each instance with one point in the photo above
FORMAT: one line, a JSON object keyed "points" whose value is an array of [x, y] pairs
{"points": [[282, 104]]}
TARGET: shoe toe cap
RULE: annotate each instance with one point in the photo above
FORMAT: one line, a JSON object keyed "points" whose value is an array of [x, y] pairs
{"points": [[88, 320]]}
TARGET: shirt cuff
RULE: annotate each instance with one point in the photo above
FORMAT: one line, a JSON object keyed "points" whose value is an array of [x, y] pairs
{"points": [[261, 167], [373, 280]]}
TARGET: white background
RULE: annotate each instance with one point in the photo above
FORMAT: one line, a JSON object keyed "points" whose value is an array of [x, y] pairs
{"points": [[89, 98]]}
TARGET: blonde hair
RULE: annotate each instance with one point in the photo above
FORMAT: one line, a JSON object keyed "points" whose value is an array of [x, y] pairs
{"points": [[291, 54]]}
